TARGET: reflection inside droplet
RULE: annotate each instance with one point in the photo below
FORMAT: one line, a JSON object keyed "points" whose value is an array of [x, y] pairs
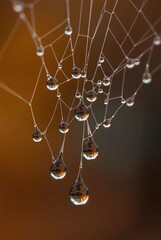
{"points": [[58, 168], [90, 149]]}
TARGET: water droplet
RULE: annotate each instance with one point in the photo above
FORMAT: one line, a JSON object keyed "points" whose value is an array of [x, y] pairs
{"points": [[91, 96], [130, 102], [106, 101], [100, 90], [136, 61], [147, 77], [37, 135], [123, 101], [79, 193], [52, 83], [106, 81], [18, 6], [68, 30], [107, 123], [40, 52], [76, 73], [99, 83], [84, 74], [157, 40], [81, 112], [59, 65], [102, 59], [130, 63], [58, 94], [63, 127], [78, 95], [97, 126], [90, 149], [58, 168]]}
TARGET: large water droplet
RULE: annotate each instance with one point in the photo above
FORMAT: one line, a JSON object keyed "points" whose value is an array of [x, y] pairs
{"points": [[91, 96], [58, 168], [79, 193], [76, 73], [130, 63], [63, 127], [90, 149], [52, 83], [68, 30], [157, 40], [81, 112], [37, 135]]}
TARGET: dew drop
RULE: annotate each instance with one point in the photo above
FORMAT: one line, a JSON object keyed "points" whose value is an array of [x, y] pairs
{"points": [[58, 168], [147, 77], [84, 74], [59, 65], [78, 95], [123, 101], [107, 123], [100, 90], [106, 81], [102, 59], [97, 126], [63, 127], [58, 94], [136, 61], [106, 101], [81, 112], [37, 135], [68, 30], [157, 40], [130, 63], [79, 193], [52, 83], [99, 83], [18, 6], [130, 102], [91, 96], [90, 149], [40, 52], [76, 73]]}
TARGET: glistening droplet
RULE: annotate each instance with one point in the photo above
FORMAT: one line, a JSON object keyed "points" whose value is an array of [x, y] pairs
{"points": [[79, 193], [76, 73], [52, 83], [18, 6], [58, 168], [147, 77], [37, 135], [40, 52], [90, 149], [91, 96], [130, 63], [157, 40], [81, 112], [130, 102], [63, 127], [107, 123], [68, 30]]}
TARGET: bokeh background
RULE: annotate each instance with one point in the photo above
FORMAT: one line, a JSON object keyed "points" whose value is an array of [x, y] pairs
{"points": [[125, 181]]}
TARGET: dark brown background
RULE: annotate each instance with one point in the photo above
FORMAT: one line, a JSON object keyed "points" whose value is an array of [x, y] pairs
{"points": [[125, 181]]}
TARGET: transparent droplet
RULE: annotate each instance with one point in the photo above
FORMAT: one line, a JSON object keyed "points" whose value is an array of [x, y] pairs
{"points": [[79, 193], [136, 61], [123, 101], [58, 94], [90, 149], [91, 96], [60, 66], [130, 63], [99, 83], [106, 101], [63, 127], [58, 168], [157, 40], [106, 81], [102, 59], [18, 6], [40, 52], [100, 90], [78, 95], [81, 112], [37, 135], [68, 30], [84, 74], [97, 126], [52, 83], [147, 77], [130, 102], [76, 73], [107, 123]]}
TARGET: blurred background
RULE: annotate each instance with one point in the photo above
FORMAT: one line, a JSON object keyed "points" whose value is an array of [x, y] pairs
{"points": [[125, 180]]}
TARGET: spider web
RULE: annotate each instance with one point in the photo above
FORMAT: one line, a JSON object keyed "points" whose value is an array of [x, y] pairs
{"points": [[103, 43]]}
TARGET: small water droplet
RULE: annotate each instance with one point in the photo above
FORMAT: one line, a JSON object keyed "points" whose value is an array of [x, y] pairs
{"points": [[68, 30], [130, 63], [37, 135], [97, 126], [59, 65], [78, 95], [102, 59], [106, 81], [63, 127], [147, 77], [52, 83], [90, 149], [130, 102], [99, 83], [123, 101], [136, 61], [58, 168], [58, 94], [157, 40], [76, 73], [107, 123], [79, 193], [40, 52], [100, 90], [91, 95], [84, 74], [18, 6], [106, 101], [81, 112]]}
